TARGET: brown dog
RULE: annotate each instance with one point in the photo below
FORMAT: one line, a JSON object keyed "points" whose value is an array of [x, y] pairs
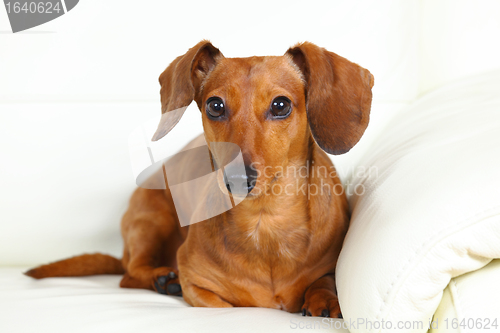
{"points": [[275, 250]]}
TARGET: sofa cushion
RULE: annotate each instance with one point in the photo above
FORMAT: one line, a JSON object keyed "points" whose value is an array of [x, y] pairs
{"points": [[96, 304], [426, 207], [470, 303]]}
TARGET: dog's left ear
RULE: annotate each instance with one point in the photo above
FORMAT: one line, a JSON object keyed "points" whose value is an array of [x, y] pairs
{"points": [[338, 97], [181, 83]]}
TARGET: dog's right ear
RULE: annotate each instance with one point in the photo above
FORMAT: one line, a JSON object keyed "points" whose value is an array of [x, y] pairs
{"points": [[338, 97], [181, 83]]}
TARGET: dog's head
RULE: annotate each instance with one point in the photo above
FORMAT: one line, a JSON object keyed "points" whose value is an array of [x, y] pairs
{"points": [[271, 107]]}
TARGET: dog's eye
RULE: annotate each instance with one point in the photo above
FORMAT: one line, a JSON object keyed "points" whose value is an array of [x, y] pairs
{"points": [[281, 107], [215, 107]]}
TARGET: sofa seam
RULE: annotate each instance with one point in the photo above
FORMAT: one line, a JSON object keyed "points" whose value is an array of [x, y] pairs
{"points": [[455, 296]]}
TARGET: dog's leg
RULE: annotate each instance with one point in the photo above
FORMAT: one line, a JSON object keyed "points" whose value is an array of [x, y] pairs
{"points": [[321, 299], [197, 296], [143, 270], [147, 227]]}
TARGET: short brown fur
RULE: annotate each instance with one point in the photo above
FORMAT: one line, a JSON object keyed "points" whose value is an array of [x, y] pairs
{"points": [[272, 250]]}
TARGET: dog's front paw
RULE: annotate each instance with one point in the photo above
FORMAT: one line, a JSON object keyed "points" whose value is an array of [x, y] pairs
{"points": [[167, 281], [321, 303]]}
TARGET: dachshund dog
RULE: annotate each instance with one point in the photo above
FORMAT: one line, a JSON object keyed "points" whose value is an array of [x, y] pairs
{"points": [[274, 249]]}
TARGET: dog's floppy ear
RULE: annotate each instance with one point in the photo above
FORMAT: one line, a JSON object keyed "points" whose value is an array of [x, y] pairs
{"points": [[338, 97], [181, 83]]}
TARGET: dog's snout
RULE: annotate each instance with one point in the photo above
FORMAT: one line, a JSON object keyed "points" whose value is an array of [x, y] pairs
{"points": [[238, 183]]}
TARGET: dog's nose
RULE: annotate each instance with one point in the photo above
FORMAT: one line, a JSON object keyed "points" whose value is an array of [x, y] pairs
{"points": [[240, 184]]}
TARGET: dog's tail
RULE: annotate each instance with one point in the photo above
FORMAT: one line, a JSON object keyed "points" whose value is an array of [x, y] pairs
{"points": [[83, 265]]}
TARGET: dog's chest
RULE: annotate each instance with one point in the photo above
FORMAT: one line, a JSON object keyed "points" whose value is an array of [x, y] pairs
{"points": [[280, 236], [272, 254]]}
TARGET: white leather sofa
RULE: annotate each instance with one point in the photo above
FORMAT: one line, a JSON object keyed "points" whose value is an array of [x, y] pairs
{"points": [[422, 183]]}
